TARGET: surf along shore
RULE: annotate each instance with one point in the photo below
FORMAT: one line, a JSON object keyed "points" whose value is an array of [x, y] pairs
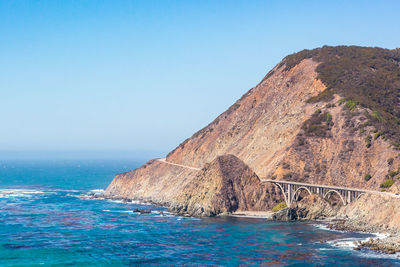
{"points": [[385, 239]]}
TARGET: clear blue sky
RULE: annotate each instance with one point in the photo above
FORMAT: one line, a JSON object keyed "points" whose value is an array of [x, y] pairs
{"points": [[145, 75]]}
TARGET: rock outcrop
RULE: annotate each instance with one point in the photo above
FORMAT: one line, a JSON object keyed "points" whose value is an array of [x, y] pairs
{"points": [[224, 186], [311, 208]]}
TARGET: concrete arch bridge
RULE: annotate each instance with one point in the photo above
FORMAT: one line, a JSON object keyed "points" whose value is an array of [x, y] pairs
{"points": [[291, 191]]}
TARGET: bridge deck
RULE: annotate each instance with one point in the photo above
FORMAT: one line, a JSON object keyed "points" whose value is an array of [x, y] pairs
{"points": [[297, 183], [317, 185], [332, 187]]}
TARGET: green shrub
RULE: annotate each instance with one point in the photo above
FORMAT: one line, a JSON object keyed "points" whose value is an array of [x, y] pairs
{"points": [[350, 104], [342, 101], [387, 183], [330, 105], [318, 125], [367, 177], [376, 115], [390, 161], [328, 118], [279, 207], [326, 95], [393, 173], [396, 145], [318, 111], [368, 140], [377, 134]]}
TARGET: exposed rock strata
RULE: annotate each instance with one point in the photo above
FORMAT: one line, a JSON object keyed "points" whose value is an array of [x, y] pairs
{"points": [[378, 210]]}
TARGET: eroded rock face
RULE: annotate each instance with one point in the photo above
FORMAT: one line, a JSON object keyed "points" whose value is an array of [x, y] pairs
{"points": [[377, 211], [225, 185]]}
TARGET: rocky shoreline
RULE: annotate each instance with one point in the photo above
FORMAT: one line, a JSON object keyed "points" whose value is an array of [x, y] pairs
{"points": [[387, 242], [312, 208]]}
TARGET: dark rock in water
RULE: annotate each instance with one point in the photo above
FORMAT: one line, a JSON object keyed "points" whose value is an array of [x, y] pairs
{"points": [[312, 207], [286, 214], [142, 211], [15, 246]]}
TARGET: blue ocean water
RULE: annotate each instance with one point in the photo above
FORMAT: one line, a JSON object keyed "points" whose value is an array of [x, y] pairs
{"points": [[47, 218]]}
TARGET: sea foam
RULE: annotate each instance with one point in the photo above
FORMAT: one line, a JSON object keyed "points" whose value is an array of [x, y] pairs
{"points": [[11, 193]]}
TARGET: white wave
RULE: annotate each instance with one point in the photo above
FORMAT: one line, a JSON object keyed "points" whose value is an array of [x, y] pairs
{"points": [[10, 193], [119, 211], [115, 201], [97, 191], [346, 242], [381, 235], [326, 228], [179, 218], [351, 243]]}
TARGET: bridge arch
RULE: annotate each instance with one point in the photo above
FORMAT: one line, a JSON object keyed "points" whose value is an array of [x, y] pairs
{"points": [[359, 195], [335, 191], [284, 193], [298, 190]]}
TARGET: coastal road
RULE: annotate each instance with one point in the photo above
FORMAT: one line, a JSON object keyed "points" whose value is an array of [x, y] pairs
{"points": [[164, 160]]}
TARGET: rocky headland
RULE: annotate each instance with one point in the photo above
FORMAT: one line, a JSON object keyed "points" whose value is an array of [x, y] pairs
{"points": [[326, 116]]}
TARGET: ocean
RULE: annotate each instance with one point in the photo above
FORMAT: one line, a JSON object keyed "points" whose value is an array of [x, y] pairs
{"points": [[48, 218]]}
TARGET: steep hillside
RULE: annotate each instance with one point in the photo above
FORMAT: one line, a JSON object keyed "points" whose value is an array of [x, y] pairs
{"points": [[328, 115]]}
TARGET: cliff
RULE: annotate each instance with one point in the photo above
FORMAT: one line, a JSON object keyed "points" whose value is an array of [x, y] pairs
{"points": [[329, 116]]}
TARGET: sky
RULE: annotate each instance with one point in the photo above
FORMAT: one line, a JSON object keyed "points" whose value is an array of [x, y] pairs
{"points": [[146, 75]]}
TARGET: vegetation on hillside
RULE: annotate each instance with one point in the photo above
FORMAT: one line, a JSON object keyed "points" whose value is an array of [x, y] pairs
{"points": [[319, 125], [367, 177], [387, 183], [368, 77], [279, 207]]}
